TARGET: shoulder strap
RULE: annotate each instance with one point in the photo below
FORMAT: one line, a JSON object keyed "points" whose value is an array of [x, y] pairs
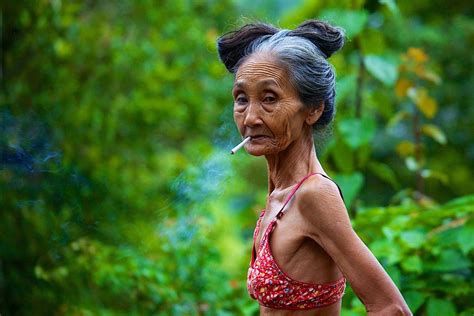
{"points": [[340, 192], [280, 213]]}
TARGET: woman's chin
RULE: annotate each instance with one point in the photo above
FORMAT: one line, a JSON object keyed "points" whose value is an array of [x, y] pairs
{"points": [[256, 154], [258, 150]]}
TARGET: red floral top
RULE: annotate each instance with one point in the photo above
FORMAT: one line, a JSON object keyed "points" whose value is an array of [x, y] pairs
{"points": [[272, 288]]}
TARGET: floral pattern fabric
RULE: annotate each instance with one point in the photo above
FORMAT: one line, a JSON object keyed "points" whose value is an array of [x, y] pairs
{"points": [[272, 288]]}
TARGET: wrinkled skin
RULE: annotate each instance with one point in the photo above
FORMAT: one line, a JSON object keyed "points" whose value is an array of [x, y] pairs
{"points": [[267, 105], [314, 241]]}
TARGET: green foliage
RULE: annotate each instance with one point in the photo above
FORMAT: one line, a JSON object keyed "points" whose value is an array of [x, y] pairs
{"points": [[352, 21], [381, 68], [429, 247], [117, 192]]}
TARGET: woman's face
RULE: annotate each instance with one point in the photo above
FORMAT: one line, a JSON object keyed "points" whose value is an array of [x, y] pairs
{"points": [[267, 106]]}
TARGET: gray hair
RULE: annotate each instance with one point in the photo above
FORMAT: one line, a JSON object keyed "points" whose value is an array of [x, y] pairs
{"points": [[302, 51], [312, 75]]}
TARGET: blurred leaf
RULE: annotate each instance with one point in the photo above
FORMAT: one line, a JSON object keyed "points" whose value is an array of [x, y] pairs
{"points": [[391, 5], [395, 274], [351, 21], [426, 173], [373, 42], [357, 132], [350, 185], [383, 248], [363, 155], [402, 86], [345, 87], [400, 115], [413, 264], [411, 164], [430, 76], [414, 300], [434, 132], [413, 239], [385, 173], [343, 156], [382, 68], [417, 54], [423, 101], [437, 307], [450, 260], [62, 48], [465, 239]]}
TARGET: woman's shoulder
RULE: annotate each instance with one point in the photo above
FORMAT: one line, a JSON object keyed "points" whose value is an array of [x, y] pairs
{"points": [[320, 197], [321, 187]]}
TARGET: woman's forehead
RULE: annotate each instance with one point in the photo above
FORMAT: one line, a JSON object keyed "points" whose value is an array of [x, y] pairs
{"points": [[264, 69]]}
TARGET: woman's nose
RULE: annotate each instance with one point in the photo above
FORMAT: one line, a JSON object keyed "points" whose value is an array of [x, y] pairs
{"points": [[252, 115]]}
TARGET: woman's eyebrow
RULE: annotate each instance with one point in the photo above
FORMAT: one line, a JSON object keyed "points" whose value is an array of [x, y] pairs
{"points": [[263, 82], [239, 84], [268, 82]]}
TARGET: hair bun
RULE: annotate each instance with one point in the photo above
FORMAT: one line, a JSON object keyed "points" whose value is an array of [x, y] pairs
{"points": [[329, 39], [232, 45]]}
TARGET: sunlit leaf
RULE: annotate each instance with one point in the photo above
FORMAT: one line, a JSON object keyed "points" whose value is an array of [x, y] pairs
{"points": [[62, 48], [373, 42], [434, 132], [40, 273], [391, 5], [383, 248], [351, 21], [411, 164], [465, 238], [413, 239], [417, 54], [405, 148], [426, 104], [431, 76], [402, 86], [413, 264], [382, 68], [345, 87], [426, 173], [357, 132], [389, 233], [399, 116]]}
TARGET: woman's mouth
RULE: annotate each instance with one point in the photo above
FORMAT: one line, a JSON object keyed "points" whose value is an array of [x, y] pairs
{"points": [[258, 137]]}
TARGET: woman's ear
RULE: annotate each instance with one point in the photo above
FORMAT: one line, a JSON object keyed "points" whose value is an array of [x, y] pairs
{"points": [[314, 114]]}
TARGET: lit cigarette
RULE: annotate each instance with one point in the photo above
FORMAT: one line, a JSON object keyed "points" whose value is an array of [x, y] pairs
{"points": [[234, 150]]}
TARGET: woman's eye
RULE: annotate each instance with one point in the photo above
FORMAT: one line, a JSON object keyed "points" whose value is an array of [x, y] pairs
{"points": [[240, 99], [269, 99]]}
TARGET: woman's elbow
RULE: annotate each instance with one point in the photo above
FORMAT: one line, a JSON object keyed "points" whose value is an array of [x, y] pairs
{"points": [[395, 309]]}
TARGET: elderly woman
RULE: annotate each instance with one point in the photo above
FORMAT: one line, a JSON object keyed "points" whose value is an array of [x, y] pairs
{"points": [[304, 245]]}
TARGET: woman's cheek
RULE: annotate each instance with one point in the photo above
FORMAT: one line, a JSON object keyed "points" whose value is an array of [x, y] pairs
{"points": [[238, 119], [281, 125]]}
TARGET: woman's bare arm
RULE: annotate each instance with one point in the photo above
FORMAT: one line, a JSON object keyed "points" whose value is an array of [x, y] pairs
{"points": [[327, 222]]}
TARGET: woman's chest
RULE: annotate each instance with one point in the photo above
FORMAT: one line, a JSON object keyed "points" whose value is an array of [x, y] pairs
{"points": [[282, 235]]}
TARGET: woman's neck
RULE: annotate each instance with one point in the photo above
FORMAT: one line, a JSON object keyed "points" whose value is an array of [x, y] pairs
{"points": [[289, 166]]}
